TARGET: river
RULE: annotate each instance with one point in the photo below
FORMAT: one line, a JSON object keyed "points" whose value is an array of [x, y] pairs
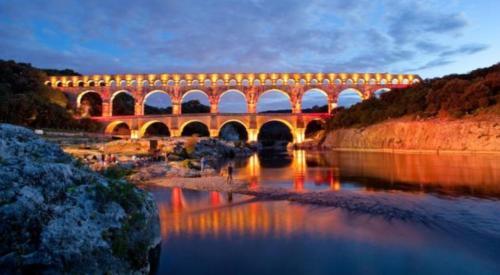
{"points": [[220, 233]]}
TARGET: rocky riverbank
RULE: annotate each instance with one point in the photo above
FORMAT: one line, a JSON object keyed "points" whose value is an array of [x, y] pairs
{"points": [[476, 134], [58, 216]]}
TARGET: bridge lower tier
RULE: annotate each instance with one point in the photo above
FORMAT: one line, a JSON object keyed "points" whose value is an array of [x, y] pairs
{"points": [[138, 125]]}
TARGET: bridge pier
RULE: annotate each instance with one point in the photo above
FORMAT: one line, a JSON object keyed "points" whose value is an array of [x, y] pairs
{"points": [[175, 132], [299, 135], [106, 109], [252, 135]]}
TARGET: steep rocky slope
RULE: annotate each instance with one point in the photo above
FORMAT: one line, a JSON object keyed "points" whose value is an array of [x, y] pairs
{"points": [[57, 216], [468, 135]]}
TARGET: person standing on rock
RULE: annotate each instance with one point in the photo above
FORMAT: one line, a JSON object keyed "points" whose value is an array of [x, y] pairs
{"points": [[229, 173], [202, 164]]}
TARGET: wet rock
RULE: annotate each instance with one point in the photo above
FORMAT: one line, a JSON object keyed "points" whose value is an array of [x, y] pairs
{"points": [[60, 217]]}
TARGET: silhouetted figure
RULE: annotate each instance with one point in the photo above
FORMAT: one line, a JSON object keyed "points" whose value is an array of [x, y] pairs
{"points": [[229, 173]]}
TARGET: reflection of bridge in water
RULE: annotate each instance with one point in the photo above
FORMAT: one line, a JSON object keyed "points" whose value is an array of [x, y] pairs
{"points": [[214, 86], [470, 175]]}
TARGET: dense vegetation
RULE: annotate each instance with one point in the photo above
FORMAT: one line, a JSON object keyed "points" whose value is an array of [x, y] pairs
{"points": [[450, 96], [25, 100]]}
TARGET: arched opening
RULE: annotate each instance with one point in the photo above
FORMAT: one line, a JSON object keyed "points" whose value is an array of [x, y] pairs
{"points": [[314, 128], [274, 101], [349, 97], [121, 130], [69, 84], [195, 128], [195, 102], [232, 101], [80, 84], [59, 84], [275, 134], [123, 104], [157, 103], [91, 83], [156, 129], [314, 101], [233, 131], [379, 92], [89, 104]]}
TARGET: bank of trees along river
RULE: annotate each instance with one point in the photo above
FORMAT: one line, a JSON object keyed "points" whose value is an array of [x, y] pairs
{"points": [[450, 96], [25, 100]]}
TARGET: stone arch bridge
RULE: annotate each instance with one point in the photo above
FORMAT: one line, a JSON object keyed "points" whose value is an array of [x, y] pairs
{"points": [[251, 85]]}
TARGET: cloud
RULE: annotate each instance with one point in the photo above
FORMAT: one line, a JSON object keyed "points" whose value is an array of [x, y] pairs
{"points": [[229, 35], [414, 19], [466, 49]]}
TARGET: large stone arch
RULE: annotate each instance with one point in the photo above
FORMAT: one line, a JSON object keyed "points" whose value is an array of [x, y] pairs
{"points": [[234, 121], [148, 94], [290, 126], [274, 90], [112, 98], [191, 91], [308, 125], [350, 89], [233, 91], [112, 125], [80, 95], [145, 126], [323, 92], [379, 92], [183, 125], [120, 92], [156, 91]]}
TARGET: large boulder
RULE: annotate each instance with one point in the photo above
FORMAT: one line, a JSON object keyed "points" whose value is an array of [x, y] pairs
{"points": [[58, 216]]}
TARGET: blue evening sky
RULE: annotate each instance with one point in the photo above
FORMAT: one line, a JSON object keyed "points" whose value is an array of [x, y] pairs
{"points": [[426, 37]]}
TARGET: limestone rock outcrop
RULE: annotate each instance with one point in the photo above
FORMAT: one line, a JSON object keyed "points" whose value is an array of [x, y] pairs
{"points": [[467, 135], [58, 216]]}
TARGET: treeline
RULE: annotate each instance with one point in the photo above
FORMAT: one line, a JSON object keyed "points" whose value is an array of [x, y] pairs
{"points": [[450, 96], [25, 100]]}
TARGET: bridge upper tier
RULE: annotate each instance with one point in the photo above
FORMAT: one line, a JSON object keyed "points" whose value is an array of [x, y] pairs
{"points": [[232, 79]]}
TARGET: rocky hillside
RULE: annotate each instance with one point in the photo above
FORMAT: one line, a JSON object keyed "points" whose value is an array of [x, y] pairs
{"points": [[60, 217], [469, 135]]}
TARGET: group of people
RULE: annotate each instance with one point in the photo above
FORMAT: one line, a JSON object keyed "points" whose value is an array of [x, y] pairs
{"points": [[99, 162]]}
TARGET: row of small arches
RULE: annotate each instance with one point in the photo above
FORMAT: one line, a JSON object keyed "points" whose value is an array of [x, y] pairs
{"points": [[231, 83]]}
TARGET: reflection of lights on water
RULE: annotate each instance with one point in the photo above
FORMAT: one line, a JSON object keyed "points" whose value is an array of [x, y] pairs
{"points": [[215, 199], [247, 219], [299, 167], [253, 170], [177, 199]]}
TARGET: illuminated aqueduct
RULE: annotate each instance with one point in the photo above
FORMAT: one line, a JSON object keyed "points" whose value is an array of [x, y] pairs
{"points": [[251, 85]]}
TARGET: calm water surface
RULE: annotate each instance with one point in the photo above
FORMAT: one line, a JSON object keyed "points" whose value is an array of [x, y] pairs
{"points": [[220, 233]]}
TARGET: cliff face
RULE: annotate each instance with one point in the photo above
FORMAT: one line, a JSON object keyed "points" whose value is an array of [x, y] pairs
{"points": [[468, 135], [58, 216]]}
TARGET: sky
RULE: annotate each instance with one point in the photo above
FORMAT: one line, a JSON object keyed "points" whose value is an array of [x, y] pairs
{"points": [[426, 37]]}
